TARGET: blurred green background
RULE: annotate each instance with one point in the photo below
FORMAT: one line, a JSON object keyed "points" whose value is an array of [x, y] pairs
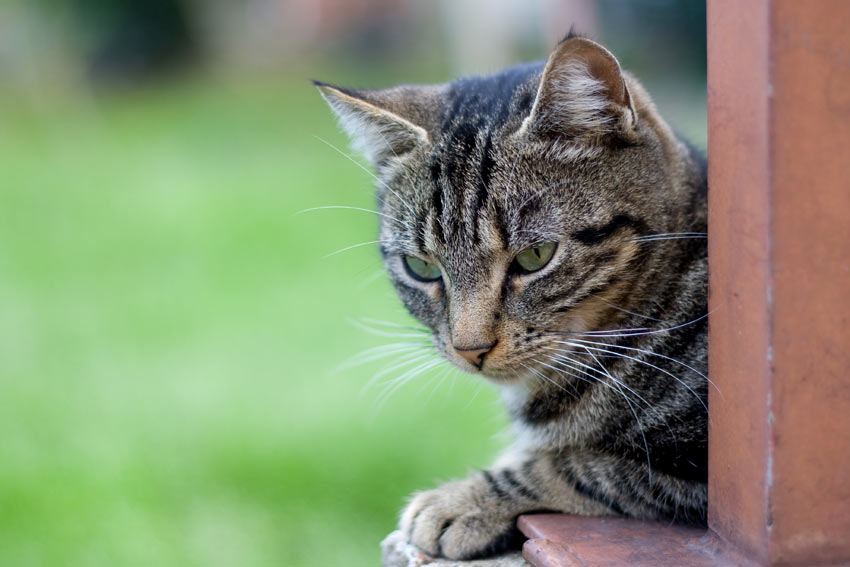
{"points": [[171, 329]]}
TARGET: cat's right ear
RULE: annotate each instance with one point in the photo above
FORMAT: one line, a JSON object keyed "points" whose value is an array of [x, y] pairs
{"points": [[382, 124], [582, 96]]}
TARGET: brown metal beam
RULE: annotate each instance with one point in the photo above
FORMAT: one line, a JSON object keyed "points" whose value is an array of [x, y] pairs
{"points": [[779, 242]]}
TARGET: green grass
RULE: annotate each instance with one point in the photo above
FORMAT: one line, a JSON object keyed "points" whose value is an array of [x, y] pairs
{"points": [[169, 331]]}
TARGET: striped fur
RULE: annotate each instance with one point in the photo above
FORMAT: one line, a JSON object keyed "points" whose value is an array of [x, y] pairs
{"points": [[573, 152]]}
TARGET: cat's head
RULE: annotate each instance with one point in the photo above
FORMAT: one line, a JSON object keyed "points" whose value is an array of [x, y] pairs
{"points": [[510, 203]]}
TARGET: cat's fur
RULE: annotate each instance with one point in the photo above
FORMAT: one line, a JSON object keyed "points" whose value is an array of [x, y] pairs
{"points": [[573, 152]]}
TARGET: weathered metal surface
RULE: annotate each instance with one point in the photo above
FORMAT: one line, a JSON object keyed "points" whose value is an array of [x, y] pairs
{"points": [[576, 541], [779, 242], [739, 268], [809, 483]]}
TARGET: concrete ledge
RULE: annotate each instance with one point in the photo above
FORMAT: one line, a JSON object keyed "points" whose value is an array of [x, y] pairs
{"points": [[396, 552]]}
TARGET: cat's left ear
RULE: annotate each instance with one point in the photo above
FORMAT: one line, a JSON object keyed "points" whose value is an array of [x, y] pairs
{"points": [[384, 124], [582, 95]]}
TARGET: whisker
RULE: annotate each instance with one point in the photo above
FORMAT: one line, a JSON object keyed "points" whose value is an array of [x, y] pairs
{"points": [[634, 413], [644, 362], [355, 246], [546, 378], [327, 207], [404, 378], [574, 395], [442, 378], [379, 352], [631, 332], [564, 360], [364, 168], [374, 321], [684, 234], [618, 308], [568, 360], [411, 333], [653, 238], [370, 279], [405, 359], [649, 352]]}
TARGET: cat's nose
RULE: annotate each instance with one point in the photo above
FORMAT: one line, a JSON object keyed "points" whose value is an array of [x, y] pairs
{"points": [[475, 355]]}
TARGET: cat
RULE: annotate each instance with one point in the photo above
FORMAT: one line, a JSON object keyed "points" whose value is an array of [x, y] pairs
{"points": [[548, 227]]}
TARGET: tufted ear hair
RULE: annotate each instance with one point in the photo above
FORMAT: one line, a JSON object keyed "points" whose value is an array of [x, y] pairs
{"points": [[582, 94], [384, 124]]}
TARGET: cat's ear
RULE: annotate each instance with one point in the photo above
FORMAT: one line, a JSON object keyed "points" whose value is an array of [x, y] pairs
{"points": [[382, 124], [582, 94]]}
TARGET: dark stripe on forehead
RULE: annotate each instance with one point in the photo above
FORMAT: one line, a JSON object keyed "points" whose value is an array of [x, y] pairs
{"points": [[460, 146], [484, 172], [437, 201]]}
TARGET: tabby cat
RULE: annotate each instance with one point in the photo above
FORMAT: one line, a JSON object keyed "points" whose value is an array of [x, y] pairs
{"points": [[548, 227]]}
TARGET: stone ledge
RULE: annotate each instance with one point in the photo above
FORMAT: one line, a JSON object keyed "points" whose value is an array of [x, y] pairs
{"points": [[396, 552]]}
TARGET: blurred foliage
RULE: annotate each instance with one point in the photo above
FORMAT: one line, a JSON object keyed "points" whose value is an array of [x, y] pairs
{"points": [[131, 40], [169, 333]]}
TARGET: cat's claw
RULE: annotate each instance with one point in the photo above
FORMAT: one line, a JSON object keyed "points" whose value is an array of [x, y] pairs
{"points": [[459, 520]]}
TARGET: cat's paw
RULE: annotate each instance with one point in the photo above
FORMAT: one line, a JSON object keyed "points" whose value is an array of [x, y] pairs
{"points": [[460, 520]]}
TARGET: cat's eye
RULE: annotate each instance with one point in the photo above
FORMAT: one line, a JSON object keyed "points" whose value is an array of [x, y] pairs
{"points": [[421, 270], [534, 257]]}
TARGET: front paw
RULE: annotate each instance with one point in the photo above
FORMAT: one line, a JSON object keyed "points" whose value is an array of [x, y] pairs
{"points": [[460, 520]]}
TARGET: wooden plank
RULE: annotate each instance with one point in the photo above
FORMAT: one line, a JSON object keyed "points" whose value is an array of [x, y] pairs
{"points": [[576, 541]]}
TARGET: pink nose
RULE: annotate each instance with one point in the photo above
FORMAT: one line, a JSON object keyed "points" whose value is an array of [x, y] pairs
{"points": [[475, 355]]}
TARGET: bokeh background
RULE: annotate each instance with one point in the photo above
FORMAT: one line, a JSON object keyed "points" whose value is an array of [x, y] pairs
{"points": [[172, 331]]}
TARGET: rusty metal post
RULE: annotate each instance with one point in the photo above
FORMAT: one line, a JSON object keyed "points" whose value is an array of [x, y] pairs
{"points": [[779, 242]]}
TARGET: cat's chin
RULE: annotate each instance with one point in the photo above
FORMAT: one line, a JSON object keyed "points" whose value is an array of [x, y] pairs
{"points": [[500, 377]]}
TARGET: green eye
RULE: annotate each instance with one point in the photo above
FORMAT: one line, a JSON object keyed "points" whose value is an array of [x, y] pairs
{"points": [[421, 270], [534, 257]]}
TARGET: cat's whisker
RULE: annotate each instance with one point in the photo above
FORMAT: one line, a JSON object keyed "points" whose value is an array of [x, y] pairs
{"points": [[625, 332], [417, 359], [409, 333], [574, 395], [703, 234], [361, 209], [406, 377], [618, 308], [373, 321], [630, 332], [379, 352], [617, 383], [651, 353], [475, 395], [644, 362], [355, 246], [441, 378], [545, 378], [566, 360], [403, 359], [576, 365], [370, 279], [364, 168], [676, 237]]}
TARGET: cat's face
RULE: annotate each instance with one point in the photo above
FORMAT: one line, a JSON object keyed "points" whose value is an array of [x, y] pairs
{"points": [[510, 204]]}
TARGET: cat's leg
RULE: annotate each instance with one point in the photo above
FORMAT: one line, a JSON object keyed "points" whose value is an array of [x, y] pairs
{"points": [[476, 516]]}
